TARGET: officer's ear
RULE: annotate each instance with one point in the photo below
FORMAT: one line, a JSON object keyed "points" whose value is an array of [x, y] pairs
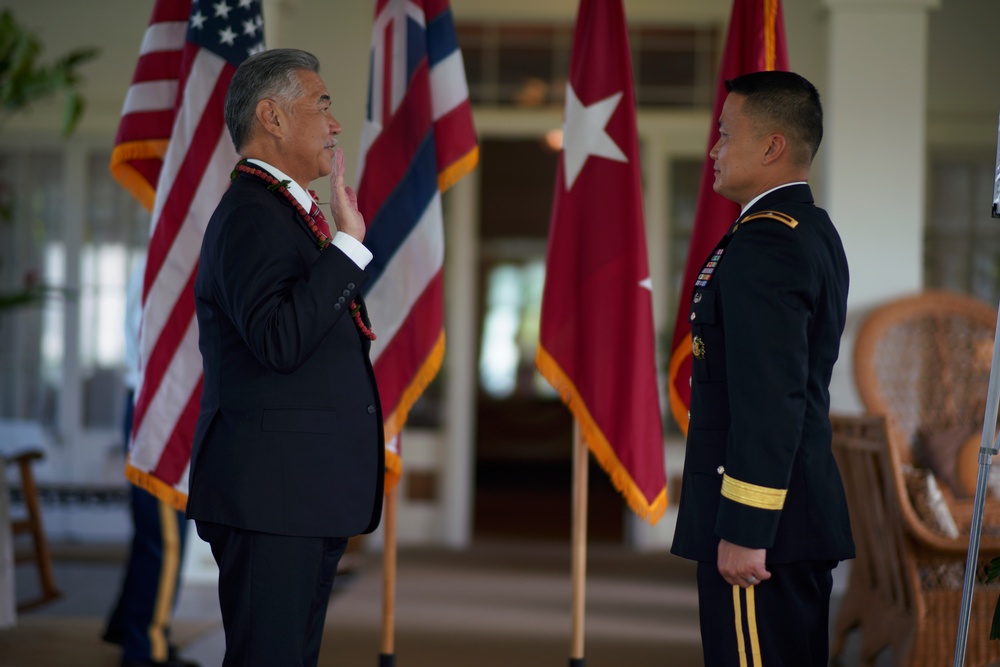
{"points": [[775, 148]]}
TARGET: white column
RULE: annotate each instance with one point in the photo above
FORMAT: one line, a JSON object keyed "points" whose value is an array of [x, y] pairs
{"points": [[461, 285], [874, 153]]}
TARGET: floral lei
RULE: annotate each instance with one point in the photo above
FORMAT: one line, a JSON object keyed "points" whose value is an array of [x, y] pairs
{"points": [[322, 240]]}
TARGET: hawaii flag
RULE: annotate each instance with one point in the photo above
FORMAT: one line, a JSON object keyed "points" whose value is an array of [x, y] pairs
{"points": [[597, 343], [174, 154], [418, 140], [756, 42]]}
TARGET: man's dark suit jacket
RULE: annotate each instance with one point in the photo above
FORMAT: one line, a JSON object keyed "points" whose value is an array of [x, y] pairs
{"points": [[289, 438], [767, 314]]}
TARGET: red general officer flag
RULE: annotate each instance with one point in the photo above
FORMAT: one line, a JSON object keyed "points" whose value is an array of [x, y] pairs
{"points": [[174, 154], [596, 342], [755, 42]]}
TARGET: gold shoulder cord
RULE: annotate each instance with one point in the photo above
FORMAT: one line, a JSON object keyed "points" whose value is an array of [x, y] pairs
{"points": [[773, 215]]}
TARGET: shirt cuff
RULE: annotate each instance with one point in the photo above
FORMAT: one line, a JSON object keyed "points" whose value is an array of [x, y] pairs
{"points": [[353, 248]]}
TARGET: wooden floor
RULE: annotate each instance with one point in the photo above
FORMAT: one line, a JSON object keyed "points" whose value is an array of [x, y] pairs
{"points": [[495, 604]]}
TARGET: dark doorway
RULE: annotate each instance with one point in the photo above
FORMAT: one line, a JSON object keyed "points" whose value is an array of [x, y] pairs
{"points": [[524, 439]]}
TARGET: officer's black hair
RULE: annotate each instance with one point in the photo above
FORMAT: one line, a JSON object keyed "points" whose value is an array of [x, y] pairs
{"points": [[785, 99]]}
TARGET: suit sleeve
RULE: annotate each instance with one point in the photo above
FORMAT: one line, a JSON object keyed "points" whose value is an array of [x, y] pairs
{"points": [[767, 308], [282, 306]]}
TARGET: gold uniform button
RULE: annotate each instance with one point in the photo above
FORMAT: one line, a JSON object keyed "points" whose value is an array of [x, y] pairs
{"points": [[720, 470], [697, 297], [692, 317]]}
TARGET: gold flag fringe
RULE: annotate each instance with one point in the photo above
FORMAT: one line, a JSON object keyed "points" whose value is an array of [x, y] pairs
{"points": [[651, 512], [156, 487], [130, 179], [457, 169], [393, 424], [678, 408]]}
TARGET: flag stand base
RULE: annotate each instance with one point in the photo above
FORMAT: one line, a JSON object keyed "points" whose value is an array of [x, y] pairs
{"points": [[577, 662], [386, 660]]}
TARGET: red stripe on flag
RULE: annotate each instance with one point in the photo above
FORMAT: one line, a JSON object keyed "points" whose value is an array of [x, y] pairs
{"points": [[164, 12], [454, 133], [165, 349], [408, 349], [177, 452], [158, 66], [387, 73], [434, 7], [143, 125], [395, 147], [175, 209]]}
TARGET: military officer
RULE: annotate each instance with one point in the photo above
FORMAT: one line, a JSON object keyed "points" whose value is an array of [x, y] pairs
{"points": [[762, 504]]}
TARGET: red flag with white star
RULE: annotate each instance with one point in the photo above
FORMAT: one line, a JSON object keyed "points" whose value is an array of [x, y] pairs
{"points": [[756, 42], [596, 342]]}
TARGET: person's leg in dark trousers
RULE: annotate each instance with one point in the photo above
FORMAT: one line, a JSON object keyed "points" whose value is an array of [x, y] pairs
{"points": [[140, 620], [273, 591], [781, 622]]}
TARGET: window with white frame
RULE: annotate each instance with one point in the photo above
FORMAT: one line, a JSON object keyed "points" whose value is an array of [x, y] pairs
{"points": [[66, 349], [962, 239]]}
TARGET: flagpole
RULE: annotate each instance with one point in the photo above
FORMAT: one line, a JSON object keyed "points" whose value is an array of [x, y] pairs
{"points": [[579, 537], [387, 657]]}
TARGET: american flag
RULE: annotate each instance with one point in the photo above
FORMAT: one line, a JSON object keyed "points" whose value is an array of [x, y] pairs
{"points": [[418, 139], [174, 154]]}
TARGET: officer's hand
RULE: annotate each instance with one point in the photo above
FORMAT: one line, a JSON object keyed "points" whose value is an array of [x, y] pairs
{"points": [[741, 566]]}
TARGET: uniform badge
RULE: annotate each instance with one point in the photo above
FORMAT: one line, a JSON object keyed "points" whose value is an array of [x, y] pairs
{"points": [[698, 348]]}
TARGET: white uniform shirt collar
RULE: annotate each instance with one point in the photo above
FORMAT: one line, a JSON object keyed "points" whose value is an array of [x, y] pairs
{"points": [[764, 194]]}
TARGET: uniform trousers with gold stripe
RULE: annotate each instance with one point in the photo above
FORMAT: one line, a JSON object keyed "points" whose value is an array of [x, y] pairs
{"points": [[781, 622]]}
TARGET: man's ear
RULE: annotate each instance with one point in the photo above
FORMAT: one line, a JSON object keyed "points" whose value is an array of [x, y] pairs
{"points": [[270, 116], [775, 148]]}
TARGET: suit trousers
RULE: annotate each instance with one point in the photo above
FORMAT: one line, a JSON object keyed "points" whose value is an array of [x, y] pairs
{"points": [[273, 592], [781, 622]]}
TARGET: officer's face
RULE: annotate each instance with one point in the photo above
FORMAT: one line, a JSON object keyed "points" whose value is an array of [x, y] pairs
{"points": [[738, 153]]}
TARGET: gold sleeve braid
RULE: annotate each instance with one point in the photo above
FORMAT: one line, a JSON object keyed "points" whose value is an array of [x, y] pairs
{"points": [[745, 493]]}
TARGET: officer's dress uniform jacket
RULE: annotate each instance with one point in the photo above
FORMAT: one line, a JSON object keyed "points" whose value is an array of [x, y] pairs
{"points": [[767, 313]]}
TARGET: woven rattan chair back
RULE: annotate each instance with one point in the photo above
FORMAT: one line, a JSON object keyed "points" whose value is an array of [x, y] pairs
{"points": [[924, 362], [904, 593]]}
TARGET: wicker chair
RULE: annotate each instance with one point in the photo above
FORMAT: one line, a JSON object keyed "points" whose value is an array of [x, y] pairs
{"points": [[905, 587], [924, 362]]}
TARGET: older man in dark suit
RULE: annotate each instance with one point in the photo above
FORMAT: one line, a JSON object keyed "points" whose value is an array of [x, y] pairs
{"points": [[288, 452], [762, 505]]}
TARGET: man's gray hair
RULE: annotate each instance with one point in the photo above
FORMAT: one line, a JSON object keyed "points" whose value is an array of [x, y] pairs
{"points": [[268, 74]]}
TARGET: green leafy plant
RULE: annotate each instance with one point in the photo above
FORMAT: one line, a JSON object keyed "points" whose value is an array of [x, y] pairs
{"points": [[23, 81]]}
